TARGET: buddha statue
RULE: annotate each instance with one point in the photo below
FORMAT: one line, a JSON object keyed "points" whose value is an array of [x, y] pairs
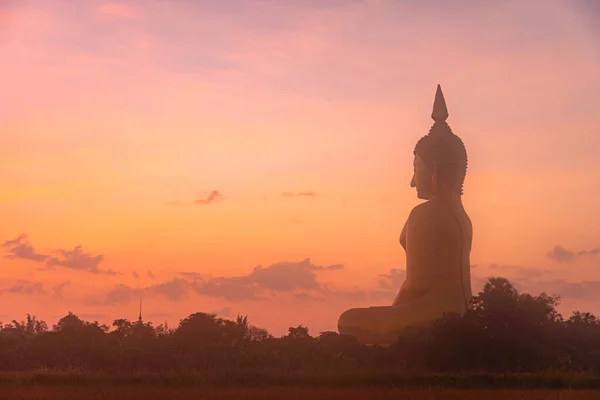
{"points": [[437, 239]]}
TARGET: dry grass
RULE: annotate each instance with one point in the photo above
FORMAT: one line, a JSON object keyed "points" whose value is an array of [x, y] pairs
{"points": [[79, 384], [137, 392], [257, 379]]}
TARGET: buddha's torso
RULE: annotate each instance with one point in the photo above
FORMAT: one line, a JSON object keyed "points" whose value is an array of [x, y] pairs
{"points": [[437, 238]]}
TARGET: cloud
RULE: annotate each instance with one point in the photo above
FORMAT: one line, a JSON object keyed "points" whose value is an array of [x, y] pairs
{"points": [[212, 197], [79, 260], [592, 252], [21, 248], [76, 259], [299, 194], [586, 290], [25, 287], [388, 285], [173, 290], [150, 275], [57, 290], [279, 277], [299, 279], [285, 276], [562, 255], [230, 289], [303, 296], [536, 280], [92, 316], [191, 275], [116, 10], [518, 271], [392, 279], [225, 312], [135, 275], [118, 295]]}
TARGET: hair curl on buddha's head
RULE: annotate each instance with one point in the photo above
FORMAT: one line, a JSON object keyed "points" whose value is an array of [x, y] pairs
{"points": [[442, 147]]}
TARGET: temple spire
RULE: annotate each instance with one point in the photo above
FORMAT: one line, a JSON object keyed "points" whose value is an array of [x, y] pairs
{"points": [[440, 111], [140, 317]]}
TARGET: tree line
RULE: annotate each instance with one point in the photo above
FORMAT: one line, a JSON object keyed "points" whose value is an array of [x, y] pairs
{"points": [[503, 331]]}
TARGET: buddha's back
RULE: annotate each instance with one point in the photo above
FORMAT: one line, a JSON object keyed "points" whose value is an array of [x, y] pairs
{"points": [[438, 245]]}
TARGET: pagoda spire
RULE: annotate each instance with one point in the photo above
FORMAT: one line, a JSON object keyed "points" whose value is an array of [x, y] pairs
{"points": [[140, 316], [440, 111]]}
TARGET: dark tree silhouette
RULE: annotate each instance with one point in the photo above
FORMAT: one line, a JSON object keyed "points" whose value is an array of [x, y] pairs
{"points": [[503, 330]]}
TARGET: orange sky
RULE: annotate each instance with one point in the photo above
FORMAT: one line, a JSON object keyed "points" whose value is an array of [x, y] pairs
{"points": [[301, 117]]}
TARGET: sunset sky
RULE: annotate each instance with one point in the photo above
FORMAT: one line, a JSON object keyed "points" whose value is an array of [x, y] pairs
{"points": [[254, 156]]}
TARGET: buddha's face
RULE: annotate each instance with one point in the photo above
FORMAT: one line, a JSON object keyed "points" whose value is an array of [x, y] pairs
{"points": [[422, 179]]}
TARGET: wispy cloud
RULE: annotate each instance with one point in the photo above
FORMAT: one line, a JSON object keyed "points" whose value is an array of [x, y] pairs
{"points": [[280, 277], [299, 279], [116, 10], [299, 194], [75, 259], [26, 287], [213, 196], [174, 290], [21, 248], [78, 259], [119, 294], [57, 290], [562, 255], [585, 290]]}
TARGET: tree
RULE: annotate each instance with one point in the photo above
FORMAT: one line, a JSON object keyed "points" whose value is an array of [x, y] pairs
{"points": [[504, 330], [299, 332]]}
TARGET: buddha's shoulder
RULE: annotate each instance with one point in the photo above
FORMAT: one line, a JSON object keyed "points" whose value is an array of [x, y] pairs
{"points": [[431, 214], [434, 214], [425, 210]]}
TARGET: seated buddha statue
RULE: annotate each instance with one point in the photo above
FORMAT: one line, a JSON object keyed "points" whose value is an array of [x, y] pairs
{"points": [[437, 240]]}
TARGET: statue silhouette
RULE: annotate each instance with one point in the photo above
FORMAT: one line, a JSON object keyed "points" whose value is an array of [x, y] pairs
{"points": [[437, 238]]}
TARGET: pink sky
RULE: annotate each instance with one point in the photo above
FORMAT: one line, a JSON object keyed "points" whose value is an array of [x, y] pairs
{"points": [[300, 118]]}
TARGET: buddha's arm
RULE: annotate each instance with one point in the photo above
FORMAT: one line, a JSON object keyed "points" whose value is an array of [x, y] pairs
{"points": [[426, 253]]}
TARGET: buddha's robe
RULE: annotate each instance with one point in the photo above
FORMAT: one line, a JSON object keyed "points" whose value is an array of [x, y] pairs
{"points": [[437, 239]]}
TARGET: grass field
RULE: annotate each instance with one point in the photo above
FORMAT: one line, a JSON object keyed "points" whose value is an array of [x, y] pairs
{"points": [[258, 379], [151, 393], [68, 385]]}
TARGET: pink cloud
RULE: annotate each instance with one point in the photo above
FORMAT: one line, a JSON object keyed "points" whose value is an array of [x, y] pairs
{"points": [[118, 10]]}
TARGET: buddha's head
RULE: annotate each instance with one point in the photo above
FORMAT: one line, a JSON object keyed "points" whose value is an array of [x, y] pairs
{"points": [[440, 163]]}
